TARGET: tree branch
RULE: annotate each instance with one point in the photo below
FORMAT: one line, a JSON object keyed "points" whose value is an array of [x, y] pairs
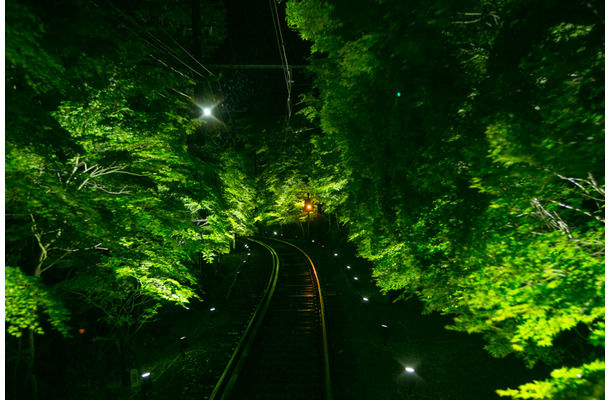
{"points": [[103, 189], [577, 209]]}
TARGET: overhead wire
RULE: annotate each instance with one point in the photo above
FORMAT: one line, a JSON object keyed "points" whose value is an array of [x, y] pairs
{"points": [[169, 67], [164, 47], [204, 77], [161, 46], [283, 58], [144, 39], [287, 74], [180, 46], [283, 47], [145, 35], [148, 41]]}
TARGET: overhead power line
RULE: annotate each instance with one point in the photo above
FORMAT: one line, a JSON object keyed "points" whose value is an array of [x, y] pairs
{"points": [[252, 66], [283, 57], [136, 28], [147, 37], [180, 46]]}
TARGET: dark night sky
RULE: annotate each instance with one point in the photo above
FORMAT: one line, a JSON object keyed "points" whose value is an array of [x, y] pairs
{"points": [[251, 40]]}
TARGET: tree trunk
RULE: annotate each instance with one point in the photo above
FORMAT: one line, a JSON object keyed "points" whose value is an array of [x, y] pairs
{"points": [[31, 382], [125, 380]]}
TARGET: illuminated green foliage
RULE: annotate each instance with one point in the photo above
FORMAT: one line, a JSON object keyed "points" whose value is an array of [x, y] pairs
{"points": [[284, 167], [105, 171], [566, 383], [109, 204], [25, 299], [480, 189]]}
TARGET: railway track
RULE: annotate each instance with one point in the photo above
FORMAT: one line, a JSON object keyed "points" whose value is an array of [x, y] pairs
{"points": [[283, 352]]}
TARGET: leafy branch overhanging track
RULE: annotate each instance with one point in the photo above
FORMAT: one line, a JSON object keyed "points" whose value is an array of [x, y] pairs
{"points": [[283, 353]]}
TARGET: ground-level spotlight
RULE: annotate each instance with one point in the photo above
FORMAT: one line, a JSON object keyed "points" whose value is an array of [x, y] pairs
{"points": [[207, 111], [365, 299], [336, 254], [385, 334], [275, 233], [213, 309], [348, 267], [146, 385], [355, 278], [184, 345], [410, 370]]}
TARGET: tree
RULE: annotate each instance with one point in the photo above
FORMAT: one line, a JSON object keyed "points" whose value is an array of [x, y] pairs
{"points": [[103, 196], [461, 142]]}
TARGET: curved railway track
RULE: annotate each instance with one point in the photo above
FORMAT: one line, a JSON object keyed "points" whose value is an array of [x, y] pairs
{"points": [[283, 353]]}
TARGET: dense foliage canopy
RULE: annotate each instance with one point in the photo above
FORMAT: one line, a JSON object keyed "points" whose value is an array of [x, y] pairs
{"points": [[465, 141], [461, 143], [115, 194]]}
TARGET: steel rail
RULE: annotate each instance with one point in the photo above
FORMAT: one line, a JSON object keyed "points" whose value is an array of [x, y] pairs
{"points": [[227, 380], [322, 321]]}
